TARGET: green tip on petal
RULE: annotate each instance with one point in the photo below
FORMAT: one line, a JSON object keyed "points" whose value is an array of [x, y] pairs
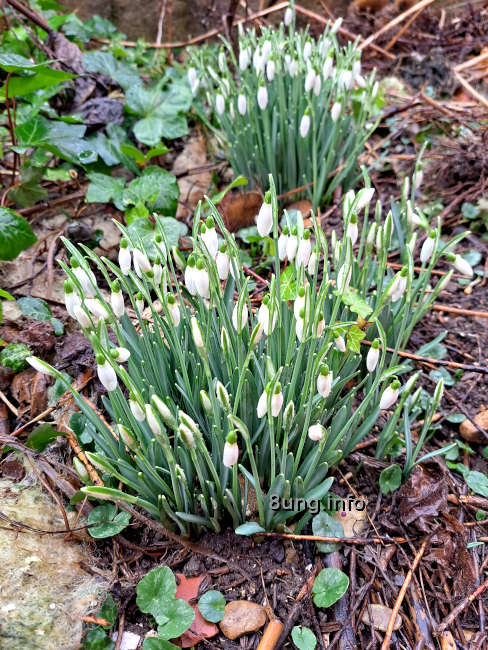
{"points": [[210, 223], [100, 359], [375, 344], [123, 243], [67, 286], [115, 286], [231, 438], [324, 370]]}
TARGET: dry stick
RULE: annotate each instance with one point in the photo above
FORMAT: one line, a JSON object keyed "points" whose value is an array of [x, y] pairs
{"points": [[459, 608], [461, 312], [439, 362], [401, 595], [162, 11], [295, 610], [420, 5], [472, 91], [25, 212], [5, 399], [402, 31], [471, 62], [356, 541], [349, 35]]}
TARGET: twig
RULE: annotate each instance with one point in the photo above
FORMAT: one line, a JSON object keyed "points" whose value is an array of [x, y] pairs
{"points": [[461, 312], [295, 610], [459, 608], [9, 404], [162, 11], [401, 31], [25, 212], [470, 62], [401, 595], [395, 21], [472, 91], [355, 541]]}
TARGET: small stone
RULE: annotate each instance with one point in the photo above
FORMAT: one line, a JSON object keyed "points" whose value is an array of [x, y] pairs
{"points": [[353, 520], [380, 615], [470, 433], [242, 617]]}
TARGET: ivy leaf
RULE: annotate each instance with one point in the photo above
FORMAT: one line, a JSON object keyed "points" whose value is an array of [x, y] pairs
{"points": [[355, 303], [329, 586], [35, 308], [288, 285], [212, 606], [103, 188], [16, 63], [14, 356], [105, 63], [156, 188], [478, 482], [323, 525], [157, 586], [303, 638], [109, 522], [15, 234], [390, 479], [354, 337]]}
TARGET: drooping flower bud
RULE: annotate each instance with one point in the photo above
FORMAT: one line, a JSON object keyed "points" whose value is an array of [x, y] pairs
{"points": [[127, 437], [316, 432], [262, 97], [85, 278], [352, 231], [339, 341], [292, 244], [264, 220], [242, 104], [190, 275], [244, 58], [304, 250], [231, 450], [121, 355], [309, 80], [197, 335], [82, 317], [288, 16], [239, 324], [373, 356], [335, 111], [222, 396], [205, 402], [136, 409], [139, 302], [327, 67], [461, 265], [202, 282], [262, 407], [223, 262], [209, 237], [141, 263], [390, 395], [324, 381], [117, 300], [152, 421], [220, 104], [276, 400], [167, 417], [270, 69], [174, 310], [71, 298], [125, 259], [282, 242], [106, 374], [305, 124], [428, 247]]}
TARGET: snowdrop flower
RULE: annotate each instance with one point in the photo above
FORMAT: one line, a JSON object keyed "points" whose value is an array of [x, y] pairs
{"points": [[320, 328], [209, 237], [192, 76], [428, 247], [300, 302], [364, 197], [266, 50], [174, 310], [327, 68], [244, 58], [292, 244], [270, 70], [71, 298], [136, 409], [231, 450], [85, 278], [202, 282], [390, 395], [117, 300], [356, 68], [324, 381], [374, 91], [242, 104], [373, 356], [276, 401], [339, 341], [220, 104], [124, 256], [419, 177], [305, 123], [239, 324], [400, 285], [167, 417], [301, 326], [152, 420], [141, 263], [282, 242], [461, 265], [222, 61], [360, 81], [224, 340], [223, 262], [352, 229], [336, 25], [258, 61], [316, 432], [312, 262], [304, 250], [161, 246], [345, 79], [82, 317], [317, 85], [264, 316], [307, 50], [178, 258], [309, 80], [343, 279], [264, 219], [293, 68], [190, 275], [127, 437], [262, 407], [97, 308], [121, 355], [106, 374], [335, 111], [371, 236], [157, 270], [139, 302], [262, 97], [324, 46], [288, 16], [413, 218]]}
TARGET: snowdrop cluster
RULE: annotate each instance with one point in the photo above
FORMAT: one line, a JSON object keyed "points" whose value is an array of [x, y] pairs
{"points": [[215, 384], [288, 104]]}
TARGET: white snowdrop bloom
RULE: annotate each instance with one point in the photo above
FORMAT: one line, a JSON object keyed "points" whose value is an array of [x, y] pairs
{"points": [[231, 454], [244, 58], [40, 366], [307, 50], [262, 407], [346, 79], [293, 68], [390, 395], [324, 46], [141, 263], [398, 288], [125, 258], [209, 237], [96, 308], [352, 231], [202, 281], [304, 250], [316, 432], [324, 381], [139, 302], [136, 410], [258, 61], [106, 374], [343, 279], [292, 244], [157, 270], [427, 248], [174, 310], [266, 50], [264, 219], [270, 69], [152, 420], [85, 278], [300, 329], [300, 302], [117, 302], [220, 104], [276, 401], [373, 356], [264, 318], [336, 25], [419, 177], [288, 16], [223, 263], [335, 111], [305, 124], [317, 85], [312, 262], [239, 325], [360, 81], [412, 242], [82, 317], [190, 271], [320, 328], [327, 68], [71, 298], [192, 76], [356, 68], [374, 91], [242, 104], [282, 242], [364, 197], [463, 266], [262, 97], [339, 342], [309, 80]]}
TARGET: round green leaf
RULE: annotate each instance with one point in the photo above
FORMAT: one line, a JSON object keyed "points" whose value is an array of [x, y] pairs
{"points": [[35, 308], [478, 482], [303, 638], [329, 586], [156, 586], [14, 356], [212, 606], [323, 525], [109, 523], [390, 479], [175, 617], [249, 528]]}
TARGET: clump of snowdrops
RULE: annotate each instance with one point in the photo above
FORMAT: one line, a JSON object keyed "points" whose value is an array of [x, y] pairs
{"points": [[213, 393], [289, 105]]}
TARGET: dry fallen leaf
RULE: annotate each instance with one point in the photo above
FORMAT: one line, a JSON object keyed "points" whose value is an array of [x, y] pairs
{"points": [[200, 629]]}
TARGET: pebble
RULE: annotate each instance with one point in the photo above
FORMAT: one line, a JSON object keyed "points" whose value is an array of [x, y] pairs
{"points": [[242, 617], [470, 433], [380, 615]]}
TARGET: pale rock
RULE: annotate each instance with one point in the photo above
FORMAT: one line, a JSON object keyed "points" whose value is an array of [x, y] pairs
{"points": [[242, 617], [470, 433], [354, 520], [380, 615], [129, 641]]}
